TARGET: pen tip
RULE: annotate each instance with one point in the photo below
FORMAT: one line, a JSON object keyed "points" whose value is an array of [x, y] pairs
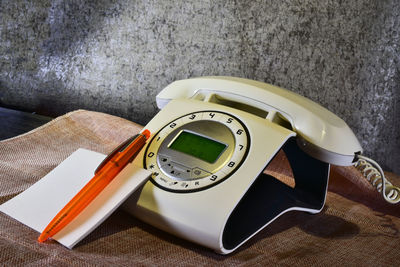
{"points": [[42, 238], [146, 133]]}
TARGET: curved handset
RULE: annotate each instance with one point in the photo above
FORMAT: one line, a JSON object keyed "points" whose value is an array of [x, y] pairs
{"points": [[321, 134]]}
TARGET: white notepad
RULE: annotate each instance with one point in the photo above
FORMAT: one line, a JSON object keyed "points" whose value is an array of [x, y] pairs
{"points": [[37, 206]]}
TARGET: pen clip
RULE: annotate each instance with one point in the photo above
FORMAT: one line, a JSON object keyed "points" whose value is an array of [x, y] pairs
{"points": [[119, 148]]}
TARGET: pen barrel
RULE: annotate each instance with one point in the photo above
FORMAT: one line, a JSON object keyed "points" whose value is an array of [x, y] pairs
{"points": [[93, 188], [80, 201], [126, 155]]}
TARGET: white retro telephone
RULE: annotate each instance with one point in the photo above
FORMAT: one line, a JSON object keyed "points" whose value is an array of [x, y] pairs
{"points": [[212, 140]]}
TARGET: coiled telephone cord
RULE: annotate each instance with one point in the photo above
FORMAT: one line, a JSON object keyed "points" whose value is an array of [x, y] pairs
{"points": [[374, 174]]}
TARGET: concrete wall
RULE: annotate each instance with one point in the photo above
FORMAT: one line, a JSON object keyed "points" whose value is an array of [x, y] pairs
{"points": [[115, 56]]}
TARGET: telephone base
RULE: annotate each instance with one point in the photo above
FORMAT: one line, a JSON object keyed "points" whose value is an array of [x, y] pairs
{"points": [[268, 198]]}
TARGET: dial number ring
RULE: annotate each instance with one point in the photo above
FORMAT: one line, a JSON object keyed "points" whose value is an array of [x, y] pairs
{"points": [[180, 176]]}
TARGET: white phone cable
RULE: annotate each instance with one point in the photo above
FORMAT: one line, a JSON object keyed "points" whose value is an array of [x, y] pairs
{"points": [[374, 174]]}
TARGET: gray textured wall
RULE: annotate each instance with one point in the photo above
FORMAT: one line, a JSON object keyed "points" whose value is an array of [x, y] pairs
{"points": [[115, 56]]}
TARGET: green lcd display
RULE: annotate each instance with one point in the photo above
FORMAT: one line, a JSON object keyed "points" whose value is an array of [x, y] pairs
{"points": [[198, 146]]}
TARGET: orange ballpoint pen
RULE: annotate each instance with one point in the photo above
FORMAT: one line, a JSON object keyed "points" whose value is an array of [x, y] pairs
{"points": [[104, 174]]}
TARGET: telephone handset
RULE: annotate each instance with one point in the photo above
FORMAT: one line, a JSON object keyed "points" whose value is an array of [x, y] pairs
{"points": [[213, 138], [321, 133]]}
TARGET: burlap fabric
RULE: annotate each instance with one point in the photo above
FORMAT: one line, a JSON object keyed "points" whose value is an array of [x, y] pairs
{"points": [[355, 228]]}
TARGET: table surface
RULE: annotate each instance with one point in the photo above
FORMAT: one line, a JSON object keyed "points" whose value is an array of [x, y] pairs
{"points": [[15, 122]]}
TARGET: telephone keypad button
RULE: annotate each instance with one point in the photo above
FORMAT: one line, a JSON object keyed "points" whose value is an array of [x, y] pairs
{"points": [[199, 173]]}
